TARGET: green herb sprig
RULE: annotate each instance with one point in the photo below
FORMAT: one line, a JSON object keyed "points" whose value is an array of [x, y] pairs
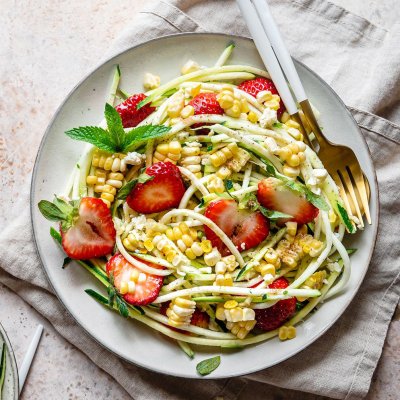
{"points": [[114, 139]]}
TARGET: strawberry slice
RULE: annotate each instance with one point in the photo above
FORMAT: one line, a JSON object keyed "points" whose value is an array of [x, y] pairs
{"points": [[200, 319], [275, 195], [254, 86], [206, 103], [245, 228], [86, 227], [273, 317], [164, 191], [129, 113], [146, 291]]}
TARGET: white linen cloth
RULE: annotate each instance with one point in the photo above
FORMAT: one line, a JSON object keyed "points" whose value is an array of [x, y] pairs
{"points": [[361, 62]]}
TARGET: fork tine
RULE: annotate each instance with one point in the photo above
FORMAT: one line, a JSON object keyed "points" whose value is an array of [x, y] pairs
{"points": [[361, 183], [344, 175], [343, 194]]}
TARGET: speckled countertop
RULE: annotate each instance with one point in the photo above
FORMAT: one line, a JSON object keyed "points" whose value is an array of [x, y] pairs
{"points": [[46, 48]]}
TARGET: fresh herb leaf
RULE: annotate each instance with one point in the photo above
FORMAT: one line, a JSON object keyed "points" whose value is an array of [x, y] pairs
{"points": [[114, 125], [66, 261], [202, 203], [273, 215], [78, 166], [351, 251], [345, 218], [250, 202], [300, 305], [285, 292], [228, 185], [95, 135], [50, 211], [122, 307], [143, 178], [126, 189], [277, 125], [141, 134], [112, 294], [209, 365], [265, 297], [97, 296], [210, 147]]}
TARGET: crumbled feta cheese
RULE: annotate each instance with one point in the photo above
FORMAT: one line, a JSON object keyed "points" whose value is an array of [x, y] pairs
{"points": [[134, 158], [268, 118], [190, 66], [151, 81]]}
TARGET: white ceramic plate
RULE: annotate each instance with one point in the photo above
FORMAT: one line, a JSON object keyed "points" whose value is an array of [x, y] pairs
{"points": [[10, 388], [58, 154]]}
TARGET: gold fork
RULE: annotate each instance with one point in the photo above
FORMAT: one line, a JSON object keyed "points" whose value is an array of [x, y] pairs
{"points": [[342, 164], [339, 161]]}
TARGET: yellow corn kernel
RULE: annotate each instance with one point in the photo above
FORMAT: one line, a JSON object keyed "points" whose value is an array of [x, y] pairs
{"points": [[244, 106], [107, 196], [230, 304], [293, 160], [332, 217], [235, 110], [239, 160], [187, 111], [148, 244], [206, 246], [224, 280], [124, 287], [271, 257], [267, 269], [177, 233], [174, 147], [223, 173], [285, 117], [134, 275], [263, 96], [291, 172], [287, 332], [196, 249], [220, 312], [216, 185], [190, 254], [195, 90], [187, 240], [291, 228], [91, 180], [252, 117], [176, 105]]}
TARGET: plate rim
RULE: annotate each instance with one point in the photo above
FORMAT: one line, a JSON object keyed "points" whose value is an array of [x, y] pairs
{"points": [[11, 353], [230, 37]]}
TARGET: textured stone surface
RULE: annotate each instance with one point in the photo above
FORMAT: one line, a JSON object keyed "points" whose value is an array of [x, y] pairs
{"points": [[46, 49]]}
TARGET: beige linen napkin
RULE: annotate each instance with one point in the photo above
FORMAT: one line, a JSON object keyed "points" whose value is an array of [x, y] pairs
{"points": [[350, 53]]}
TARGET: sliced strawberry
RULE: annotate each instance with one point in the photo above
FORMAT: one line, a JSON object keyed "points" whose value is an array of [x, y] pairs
{"points": [[254, 86], [275, 195], [90, 231], [245, 228], [129, 113], [164, 191], [200, 319], [273, 317], [146, 291], [206, 103]]}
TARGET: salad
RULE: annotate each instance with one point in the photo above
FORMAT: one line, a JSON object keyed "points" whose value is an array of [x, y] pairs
{"points": [[202, 211]]}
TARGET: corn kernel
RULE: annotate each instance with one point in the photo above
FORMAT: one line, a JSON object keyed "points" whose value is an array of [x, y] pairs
{"points": [[124, 287], [134, 275], [285, 117], [252, 117], [220, 312], [291, 228], [206, 246], [287, 332], [91, 180], [148, 244], [230, 304]]}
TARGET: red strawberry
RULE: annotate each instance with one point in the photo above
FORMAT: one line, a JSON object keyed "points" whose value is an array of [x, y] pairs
{"points": [[130, 115], [164, 191], [206, 103], [273, 317], [245, 228], [89, 231], [274, 195], [145, 292], [254, 86], [200, 319]]}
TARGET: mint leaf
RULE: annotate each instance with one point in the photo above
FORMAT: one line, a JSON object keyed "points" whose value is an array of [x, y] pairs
{"points": [[65, 207], [273, 215], [277, 125], [50, 211], [143, 178], [114, 125], [126, 189], [351, 251], [141, 134], [122, 307], [97, 296], [228, 185], [66, 261], [345, 218], [95, 135], [209, 365]]}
